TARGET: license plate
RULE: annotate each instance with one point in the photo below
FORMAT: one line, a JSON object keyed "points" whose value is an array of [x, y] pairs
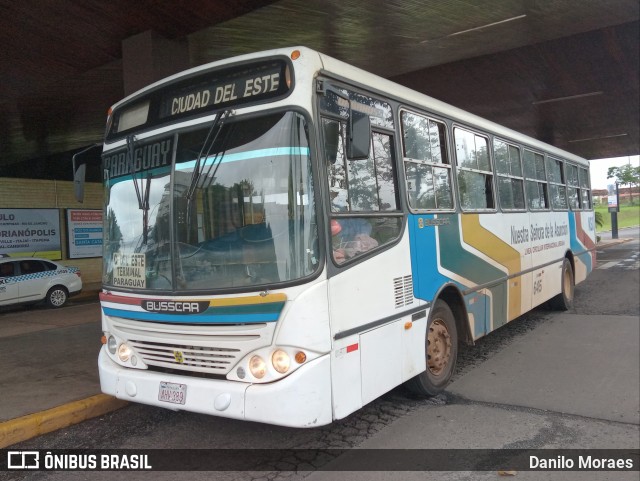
{"points": [[172, 393]]}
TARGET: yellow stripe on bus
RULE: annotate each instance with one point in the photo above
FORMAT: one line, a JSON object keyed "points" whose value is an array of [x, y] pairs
{"points": [[475, 235], [251, 300]]}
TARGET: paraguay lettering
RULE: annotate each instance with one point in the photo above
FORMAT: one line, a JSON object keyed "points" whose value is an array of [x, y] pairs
{"points": [[145, 157], [129, 270]]}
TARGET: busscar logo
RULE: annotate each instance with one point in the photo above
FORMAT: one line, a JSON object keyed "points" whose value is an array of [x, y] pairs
{"points": [[175, 307], [23, 460]]}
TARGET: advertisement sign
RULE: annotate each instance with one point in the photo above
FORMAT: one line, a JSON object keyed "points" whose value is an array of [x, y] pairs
{"points": [[30, 232], [612, 198], [84, 233]]}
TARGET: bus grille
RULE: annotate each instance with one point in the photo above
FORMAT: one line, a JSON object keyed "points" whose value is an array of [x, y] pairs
{"points": [[211, 360]]}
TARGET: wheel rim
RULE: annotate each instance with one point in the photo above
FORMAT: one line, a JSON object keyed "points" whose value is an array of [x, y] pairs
{"points": [[58, 297], [438, 347], [567, 286]]}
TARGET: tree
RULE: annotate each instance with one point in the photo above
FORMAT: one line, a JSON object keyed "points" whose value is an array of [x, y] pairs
{"points": [[625, 175]]}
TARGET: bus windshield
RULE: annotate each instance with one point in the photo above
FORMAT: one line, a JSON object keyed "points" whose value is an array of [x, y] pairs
{"points": [[230, 206]]}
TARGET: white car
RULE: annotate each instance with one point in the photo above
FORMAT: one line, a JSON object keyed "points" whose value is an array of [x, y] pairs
{"points": [[31, 279]]}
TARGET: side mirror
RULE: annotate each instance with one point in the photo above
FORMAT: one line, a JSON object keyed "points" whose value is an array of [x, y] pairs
{"points": [[358, 136], [78, 182], [80, 171]]}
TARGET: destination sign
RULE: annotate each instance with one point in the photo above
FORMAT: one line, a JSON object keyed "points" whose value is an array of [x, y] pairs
{"points": [[248, 85], [204, 92]]}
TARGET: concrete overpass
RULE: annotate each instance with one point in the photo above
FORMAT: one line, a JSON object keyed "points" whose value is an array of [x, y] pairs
{"points": [[563, 71]]}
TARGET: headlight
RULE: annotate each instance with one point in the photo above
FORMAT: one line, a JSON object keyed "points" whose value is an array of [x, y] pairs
{"points": [[112, 344], [124, 352], [281, 361], [257, 367]]}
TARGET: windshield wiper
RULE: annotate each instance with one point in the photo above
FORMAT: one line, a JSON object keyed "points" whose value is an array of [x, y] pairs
{"points": [[198, 169], [142, 191]]}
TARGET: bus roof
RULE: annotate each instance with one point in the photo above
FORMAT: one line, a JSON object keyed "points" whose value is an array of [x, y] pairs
{"points": [[417, 99], [344, 71]]}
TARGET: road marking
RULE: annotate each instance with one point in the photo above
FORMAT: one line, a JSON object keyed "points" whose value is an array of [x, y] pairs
{"points": [[608, 265], [633, 260]]}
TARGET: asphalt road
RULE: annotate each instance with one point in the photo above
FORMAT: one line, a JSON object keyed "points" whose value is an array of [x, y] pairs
{"points": [[584, 394]]}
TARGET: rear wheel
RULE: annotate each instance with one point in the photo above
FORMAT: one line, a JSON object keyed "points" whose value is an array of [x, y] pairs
{"points": [[442, 352], [57, 296], [564, 300]]}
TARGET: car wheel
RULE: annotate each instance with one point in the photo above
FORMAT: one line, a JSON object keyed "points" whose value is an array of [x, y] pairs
{"points": [[57, 296]]}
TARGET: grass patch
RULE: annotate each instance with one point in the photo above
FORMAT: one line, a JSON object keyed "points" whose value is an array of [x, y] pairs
{"points": [[628, 216]]}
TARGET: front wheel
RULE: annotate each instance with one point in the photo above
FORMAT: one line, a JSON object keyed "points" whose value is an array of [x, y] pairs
{"points": [[441, 351], [57, 296]]}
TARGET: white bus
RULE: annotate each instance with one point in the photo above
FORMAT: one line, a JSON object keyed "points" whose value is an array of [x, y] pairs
{"points": [[288, 237]]}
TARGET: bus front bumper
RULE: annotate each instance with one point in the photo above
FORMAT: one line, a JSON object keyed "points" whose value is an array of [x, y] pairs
{"points": [[302, 399]]}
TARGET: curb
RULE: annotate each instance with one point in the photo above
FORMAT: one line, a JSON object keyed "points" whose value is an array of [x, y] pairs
{"points": [[611, 243], [26, 427]]}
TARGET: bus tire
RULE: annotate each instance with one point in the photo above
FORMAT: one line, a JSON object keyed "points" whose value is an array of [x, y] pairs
{"points": [[564, 300], [441, 352], [57, 296]]}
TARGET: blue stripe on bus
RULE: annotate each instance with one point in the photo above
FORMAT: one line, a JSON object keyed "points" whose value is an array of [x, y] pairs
{"points": [[192, 318], [251, 154], [426, 278], [576, 246]]}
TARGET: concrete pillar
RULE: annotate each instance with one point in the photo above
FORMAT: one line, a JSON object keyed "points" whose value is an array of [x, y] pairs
{"points": [[148, 57]]}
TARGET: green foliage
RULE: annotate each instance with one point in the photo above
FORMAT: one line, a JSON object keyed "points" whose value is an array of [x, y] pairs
{"points": [[599, 218], [625, 175], [628, 216]]}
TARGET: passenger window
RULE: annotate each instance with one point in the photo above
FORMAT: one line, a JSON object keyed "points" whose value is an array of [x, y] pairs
{"points": [[361, 185], [7, 269], [363, 194], [475, 179], [427, 166], [536, 181], [585, 189], [31, 267], [573, 187], [578, 187], [48, 266], [558, 191], [510, 180]]}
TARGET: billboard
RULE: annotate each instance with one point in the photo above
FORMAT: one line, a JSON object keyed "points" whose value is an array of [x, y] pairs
{"points": [[30, 232], [84, 233]]}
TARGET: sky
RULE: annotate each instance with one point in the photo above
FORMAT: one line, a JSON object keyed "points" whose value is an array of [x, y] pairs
{"points": [[598, 169]]}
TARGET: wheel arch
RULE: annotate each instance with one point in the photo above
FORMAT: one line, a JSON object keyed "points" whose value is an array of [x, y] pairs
{"points": [[569, 255], [450, 294]]}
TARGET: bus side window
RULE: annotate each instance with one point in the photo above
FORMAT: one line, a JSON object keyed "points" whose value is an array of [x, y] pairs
{"points": [[557, 188], [573, 184], [509, 172], [475, 178], [536, 181], [357, 189], [427, 166], [585, 189]]}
